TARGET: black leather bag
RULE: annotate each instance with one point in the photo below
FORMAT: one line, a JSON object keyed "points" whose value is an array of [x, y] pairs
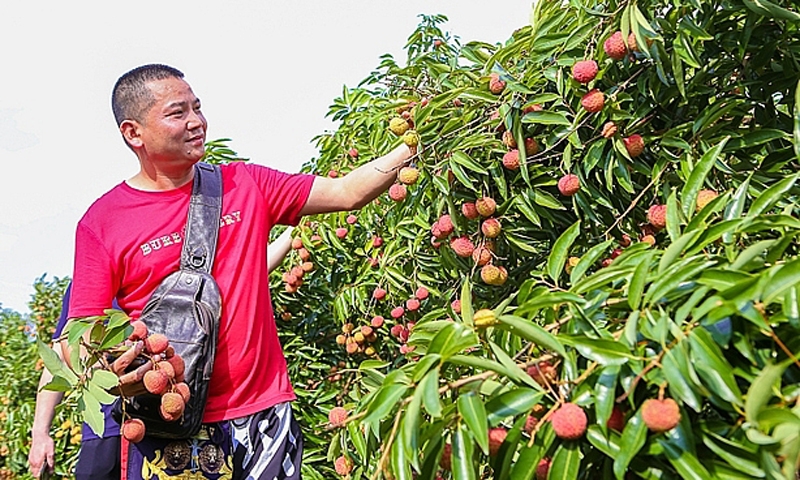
{"points": [[186, 307]]}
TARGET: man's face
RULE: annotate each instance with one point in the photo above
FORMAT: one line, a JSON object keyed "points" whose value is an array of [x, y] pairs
{"points": [[174, 129]]}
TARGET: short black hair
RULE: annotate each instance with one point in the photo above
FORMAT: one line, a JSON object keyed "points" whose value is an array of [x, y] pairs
{"points": [[131, 97]]}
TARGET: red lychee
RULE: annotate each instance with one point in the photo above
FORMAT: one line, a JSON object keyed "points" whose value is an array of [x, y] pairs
{"points": [[337, 416], [408, 175], [139, 331], [377, 321], [456, 306], [530, 424], [156, 381], [496, 85], [543, 373], [167, 368], [497, 436], [569, 185], [617, 419], [584, 71], [491, 227], [704, 197], [657, 216], [661, 415], [469, 211], [133, 430], [543, 469], [615, 47], [351, 219], [634, 145], [531, 147], [649, 239], [445, 461], [482, 256], [445, 225], [377, 241], [156, 343], [421, 293], [173, 404], [412, 304], [593, 101], [184, 391], [343, 465], [509, 140], [485, 206], [398, 192], [333, 174], [397, 312], [297, 243], [569, 422], [511, 160], [379, 293], [353, 153], [462, 246]]}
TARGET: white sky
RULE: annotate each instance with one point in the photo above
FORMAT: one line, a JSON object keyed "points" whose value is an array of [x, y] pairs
{"points": [[266, 73]]}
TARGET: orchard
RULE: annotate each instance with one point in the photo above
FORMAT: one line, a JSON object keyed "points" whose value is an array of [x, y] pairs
{"points": [[589, 270]]}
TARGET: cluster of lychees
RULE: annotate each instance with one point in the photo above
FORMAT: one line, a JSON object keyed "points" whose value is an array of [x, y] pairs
{"points": [[402, 331], [293, 278], [403, 127], [483, 254], [359, 340], [166, 378]]}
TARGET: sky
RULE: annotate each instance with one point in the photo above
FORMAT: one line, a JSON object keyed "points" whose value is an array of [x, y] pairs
{"points": [[266, 73]]}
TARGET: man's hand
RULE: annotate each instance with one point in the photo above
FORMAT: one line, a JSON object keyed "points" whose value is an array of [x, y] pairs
{"points": [[130, 383], [42, 455]]}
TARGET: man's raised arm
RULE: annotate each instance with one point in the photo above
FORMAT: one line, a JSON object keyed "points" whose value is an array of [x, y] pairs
{"points": [[358, 187]]}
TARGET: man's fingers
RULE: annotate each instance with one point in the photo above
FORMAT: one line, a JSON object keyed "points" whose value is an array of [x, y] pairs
{"points": [[124, 360]]}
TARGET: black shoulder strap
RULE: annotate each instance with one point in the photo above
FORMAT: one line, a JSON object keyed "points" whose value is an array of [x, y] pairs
{"points": [[202, 224]]}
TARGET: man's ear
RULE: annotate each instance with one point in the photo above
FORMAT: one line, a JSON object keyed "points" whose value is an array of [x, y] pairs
{"points": [[131, 132]]}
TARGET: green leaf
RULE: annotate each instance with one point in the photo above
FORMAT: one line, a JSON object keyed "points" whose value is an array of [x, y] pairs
{"points": [[637, 283], [685, 462], [104, 379], [429, 386], [566, 462], [511, 403], [357, 438], [411, 426], [673, 217], [675, 249], [602, 351], [763, 388], [54, 364], [465, 160], [384, 401], [90, 407], [735, 454], [546, 118], [463, 448], [633, 438], [787, 277], [796, 130], [530, 331], [587, 260], [770, 10], [736, 207], [555, 262], [467, 312], [472, 410], [675, 366], [698, 176], [452, 339], [771, 196], [712, 366]]}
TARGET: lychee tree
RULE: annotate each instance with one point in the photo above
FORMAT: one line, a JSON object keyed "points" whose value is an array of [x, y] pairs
{"points": [[594, 272]]}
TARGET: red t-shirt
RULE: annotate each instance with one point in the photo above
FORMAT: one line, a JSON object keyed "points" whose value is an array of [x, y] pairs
{"points": [[129, 240]]}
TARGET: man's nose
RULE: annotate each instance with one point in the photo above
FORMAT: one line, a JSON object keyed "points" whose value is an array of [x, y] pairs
{"points": [[195, 120]]}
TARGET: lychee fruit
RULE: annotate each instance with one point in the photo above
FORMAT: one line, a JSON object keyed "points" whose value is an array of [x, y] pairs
{"points": [[173, 404], [532, 108], [183, 390], [408, 175], [304, 254], [657, 216], [421, 293], [353, 153], [139, 331], [166, 367], [446, 460], [491, 227], [497, 436], [398, 125], [337, 416], [615, 47], [397, 312], [543, 469], [584, 71], [609, 130], [411, 138], [377, 241], [617, 419], [530, 424], [482, 256], [343, 465], [156, 381], [511, 160], [133, 430], [704, 197], [593, 101], [484, 318], [531, 147], [492, 275], [341, 232], [496, 85], [486, 206], [379, 293], [351, 219], [398, 192], [649, 239], [569, 184], [446, 225], [377, 321], [543, 373], [156, 343], [456, 306], [333, 174], [634, 145], [412, 304], [572, 262], [661, 415], [470, 211], [462, 246], [569, 422]]}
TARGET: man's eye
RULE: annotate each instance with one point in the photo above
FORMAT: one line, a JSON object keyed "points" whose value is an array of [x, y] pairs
{"points": [[176, 114]]}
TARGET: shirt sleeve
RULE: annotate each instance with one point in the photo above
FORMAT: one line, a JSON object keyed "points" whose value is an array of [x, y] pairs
{"points": [[93, 282], [285, 194]]}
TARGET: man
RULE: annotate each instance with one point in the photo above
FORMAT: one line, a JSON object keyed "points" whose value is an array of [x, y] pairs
{"points": [[130, 239], [99, 456]]}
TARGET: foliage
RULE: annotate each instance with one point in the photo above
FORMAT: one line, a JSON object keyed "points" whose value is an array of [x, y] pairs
{"points": [[707, 316]]}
